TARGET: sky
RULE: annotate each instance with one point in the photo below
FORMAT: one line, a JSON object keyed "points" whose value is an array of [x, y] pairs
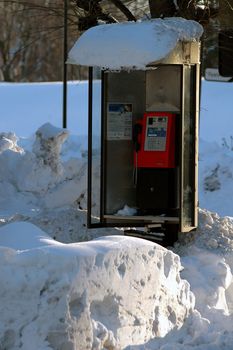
{"points": [[66, 287]]}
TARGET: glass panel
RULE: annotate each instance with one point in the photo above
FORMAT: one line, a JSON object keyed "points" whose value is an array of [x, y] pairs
{"points": [[94, 156], [189, 150], [125, 105]]}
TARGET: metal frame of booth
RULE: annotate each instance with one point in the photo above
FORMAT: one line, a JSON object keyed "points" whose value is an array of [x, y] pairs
{"points": [[181, 68]]}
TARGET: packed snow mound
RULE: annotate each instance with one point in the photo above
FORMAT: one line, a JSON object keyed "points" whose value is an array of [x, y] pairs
{"points": [[70, 296], [132, 44]]}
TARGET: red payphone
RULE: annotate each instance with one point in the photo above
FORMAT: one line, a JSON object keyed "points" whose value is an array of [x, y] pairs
{"points": [[155, 162], [154, 140]]}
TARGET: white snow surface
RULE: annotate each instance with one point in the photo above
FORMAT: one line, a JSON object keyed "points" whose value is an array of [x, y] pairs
{"points": [[66, 287], [136, 44], [70, 296]]}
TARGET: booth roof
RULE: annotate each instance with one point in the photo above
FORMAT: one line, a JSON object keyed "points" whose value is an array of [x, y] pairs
{"points": [[132, 45]]}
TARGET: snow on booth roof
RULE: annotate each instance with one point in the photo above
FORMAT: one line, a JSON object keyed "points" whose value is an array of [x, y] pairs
{"points": [[132, 44]]}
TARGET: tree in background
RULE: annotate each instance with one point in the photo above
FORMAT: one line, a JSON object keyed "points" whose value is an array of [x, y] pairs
{"points": [[31, 39]]}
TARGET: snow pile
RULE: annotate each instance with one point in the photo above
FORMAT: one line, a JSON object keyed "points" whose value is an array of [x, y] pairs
{"points": [[207, 258], [214, 233], [39, 175], [70, 296], [46, 182], [135, 44]]}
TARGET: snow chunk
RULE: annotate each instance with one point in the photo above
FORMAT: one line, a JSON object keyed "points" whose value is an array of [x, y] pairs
{"points": [[47, 146], [8, 141], [132, 44]]}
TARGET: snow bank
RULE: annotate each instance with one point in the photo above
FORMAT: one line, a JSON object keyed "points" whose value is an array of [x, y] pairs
{"points": [[132, 45], [104, 294]]}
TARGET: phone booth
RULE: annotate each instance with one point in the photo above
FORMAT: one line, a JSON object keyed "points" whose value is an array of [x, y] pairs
{"points": [[143, 145]]}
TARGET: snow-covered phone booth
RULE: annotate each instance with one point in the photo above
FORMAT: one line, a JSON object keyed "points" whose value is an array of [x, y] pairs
{"points": [[143, 124]]}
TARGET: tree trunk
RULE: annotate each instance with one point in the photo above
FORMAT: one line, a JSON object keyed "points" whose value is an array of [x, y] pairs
{"points": [[162, 8]]}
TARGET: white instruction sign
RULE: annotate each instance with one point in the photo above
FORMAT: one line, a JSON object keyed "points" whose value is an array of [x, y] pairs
{"points": [[119, 122]]}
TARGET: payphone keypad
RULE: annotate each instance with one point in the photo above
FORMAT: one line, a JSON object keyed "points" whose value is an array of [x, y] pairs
{"points": [[156, 133]]}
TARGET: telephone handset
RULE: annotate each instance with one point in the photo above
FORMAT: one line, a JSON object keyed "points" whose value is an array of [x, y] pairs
{"points": [[137, 131], [154, 140]]}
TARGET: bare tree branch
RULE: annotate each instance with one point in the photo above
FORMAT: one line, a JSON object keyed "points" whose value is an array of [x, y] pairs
{"points": [[128, 14]]}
